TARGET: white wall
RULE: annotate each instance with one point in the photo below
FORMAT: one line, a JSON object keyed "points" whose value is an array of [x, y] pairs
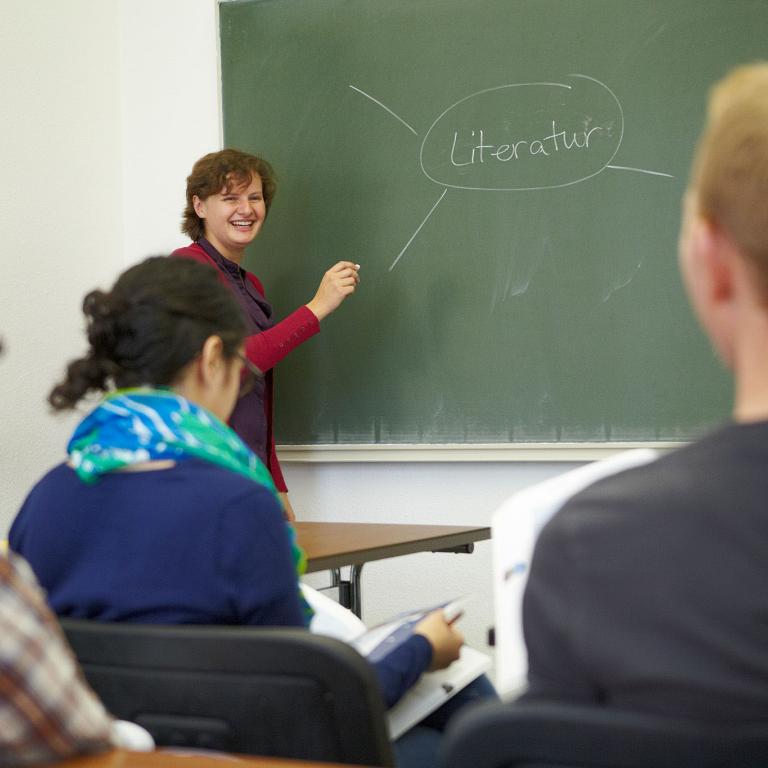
{"points": [[105, 106], [60, 211], [102, 137], [169, 88]]}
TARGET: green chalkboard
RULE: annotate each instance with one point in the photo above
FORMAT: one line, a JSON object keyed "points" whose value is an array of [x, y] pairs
{"points": [[509, 174]]}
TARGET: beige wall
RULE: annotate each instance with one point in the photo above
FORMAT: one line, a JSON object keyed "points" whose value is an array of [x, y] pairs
{"points": [[104, 105], [169, 89], [60, 220]]}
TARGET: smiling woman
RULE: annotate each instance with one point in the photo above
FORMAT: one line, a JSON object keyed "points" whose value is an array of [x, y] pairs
{"points": [[229, 194]]}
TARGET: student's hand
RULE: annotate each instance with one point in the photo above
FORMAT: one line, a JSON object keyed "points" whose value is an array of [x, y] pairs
{"points": [[290, 515], [338, 282], [445, 639]]}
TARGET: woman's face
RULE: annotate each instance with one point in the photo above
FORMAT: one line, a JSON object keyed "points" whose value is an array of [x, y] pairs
{"points": [[232, 218]]}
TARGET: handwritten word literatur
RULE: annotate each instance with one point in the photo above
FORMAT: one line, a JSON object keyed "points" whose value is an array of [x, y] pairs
{"points": [[524, 136], [557, 141]]}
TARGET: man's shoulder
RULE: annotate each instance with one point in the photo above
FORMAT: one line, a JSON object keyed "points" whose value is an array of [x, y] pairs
{"points": [[16, 577], [671, 484]]}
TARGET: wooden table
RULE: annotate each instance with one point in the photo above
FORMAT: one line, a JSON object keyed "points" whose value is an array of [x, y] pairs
{"points": [[329, 546], [178, 759]]}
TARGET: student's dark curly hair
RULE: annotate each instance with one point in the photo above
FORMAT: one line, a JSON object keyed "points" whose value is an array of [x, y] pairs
{"points": [[227, 169], [152, 323]]}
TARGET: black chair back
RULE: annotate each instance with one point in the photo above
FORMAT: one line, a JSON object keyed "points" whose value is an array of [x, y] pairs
{"points": [[266, 691], [566, 736]]}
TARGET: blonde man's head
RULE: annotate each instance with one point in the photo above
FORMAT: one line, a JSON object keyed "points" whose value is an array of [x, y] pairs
{"points": [[729, 181]]}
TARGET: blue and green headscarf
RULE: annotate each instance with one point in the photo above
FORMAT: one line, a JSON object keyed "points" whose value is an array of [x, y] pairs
{"points": [[131, 426]]}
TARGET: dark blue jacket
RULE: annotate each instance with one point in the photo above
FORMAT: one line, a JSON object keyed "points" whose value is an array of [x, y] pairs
{"points": [[194, 544]]}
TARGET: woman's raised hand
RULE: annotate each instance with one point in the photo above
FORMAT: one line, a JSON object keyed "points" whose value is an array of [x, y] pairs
{"points": [[338, 282], [446, 641]]}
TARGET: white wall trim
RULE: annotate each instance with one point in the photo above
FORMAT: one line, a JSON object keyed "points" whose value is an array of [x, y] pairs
{"points": [[460, 452]]}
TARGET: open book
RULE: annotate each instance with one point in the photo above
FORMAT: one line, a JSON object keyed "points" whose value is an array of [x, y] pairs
{"points": [[432, 690]]}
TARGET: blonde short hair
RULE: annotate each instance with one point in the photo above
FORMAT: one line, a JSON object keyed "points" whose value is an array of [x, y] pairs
{"points": [[730, 171]]}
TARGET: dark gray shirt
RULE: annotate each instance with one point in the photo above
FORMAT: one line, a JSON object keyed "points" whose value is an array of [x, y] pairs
{"points": [[649, 590]]}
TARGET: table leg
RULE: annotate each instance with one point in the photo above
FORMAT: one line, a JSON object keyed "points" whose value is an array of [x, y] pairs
{"points": [[355, 591], [350, 593]]}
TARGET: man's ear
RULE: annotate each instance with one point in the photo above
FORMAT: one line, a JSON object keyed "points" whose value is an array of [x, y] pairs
{"points": [[716, 257]]}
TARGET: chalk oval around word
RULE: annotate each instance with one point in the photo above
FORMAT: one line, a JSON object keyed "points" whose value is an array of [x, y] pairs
{"points": [[525, 136]]}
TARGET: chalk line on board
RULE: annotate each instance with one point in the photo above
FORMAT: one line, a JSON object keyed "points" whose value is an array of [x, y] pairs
{"points": [[622, 284], [384, 106], [394, 263], [639, 170]]}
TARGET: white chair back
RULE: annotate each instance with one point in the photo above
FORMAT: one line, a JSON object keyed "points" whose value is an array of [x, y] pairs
{"points": [[515, 527]]}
